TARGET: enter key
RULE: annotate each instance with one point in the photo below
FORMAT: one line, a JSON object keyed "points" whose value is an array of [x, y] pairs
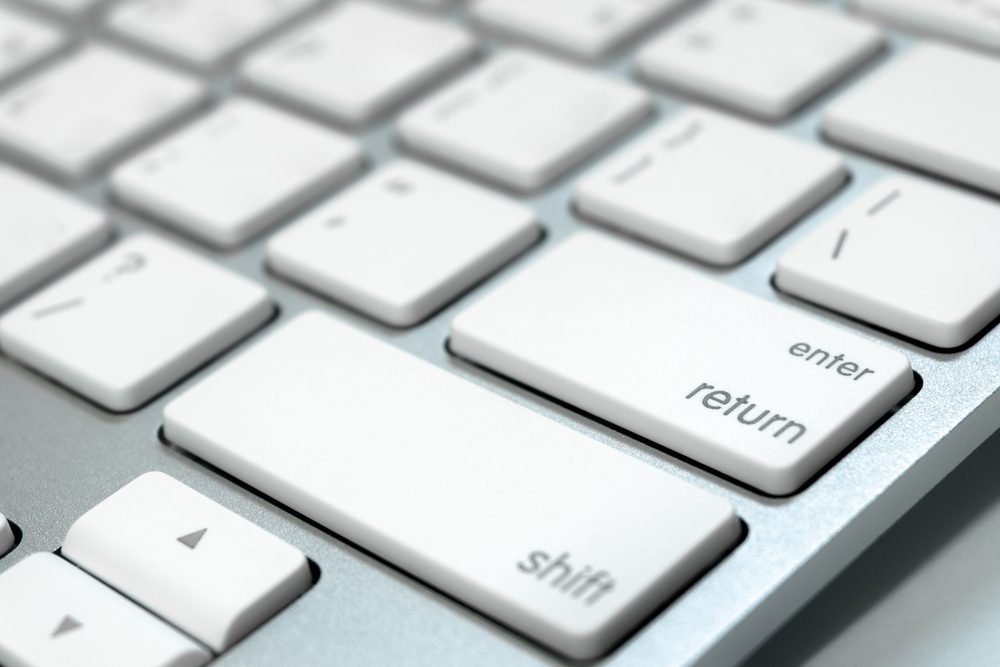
{"points": [[751, 388]]}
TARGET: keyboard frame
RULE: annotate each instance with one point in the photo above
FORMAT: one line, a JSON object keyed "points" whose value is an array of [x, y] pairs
{"points": [[61, 455]]}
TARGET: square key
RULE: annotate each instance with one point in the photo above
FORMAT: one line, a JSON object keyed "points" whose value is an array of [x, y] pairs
{"points": [[710, 186], [588, 29], [404, 242], [42, 231], [201, 32], [934, 107], [25, 41], [189, 560], [329, 67], [908, 255], [523, 119], [762, 57], [116, 100], [131, 322], [53, 614], [236, 171]]}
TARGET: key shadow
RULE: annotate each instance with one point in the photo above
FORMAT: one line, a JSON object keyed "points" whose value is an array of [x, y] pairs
{"points": [[963, 496]]}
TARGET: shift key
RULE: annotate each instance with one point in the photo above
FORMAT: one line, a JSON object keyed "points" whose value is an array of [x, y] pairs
{"points": [[753, 389], [554, 534]]}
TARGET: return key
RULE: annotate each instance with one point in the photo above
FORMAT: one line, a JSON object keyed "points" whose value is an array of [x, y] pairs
{"points": [[723, 377]]}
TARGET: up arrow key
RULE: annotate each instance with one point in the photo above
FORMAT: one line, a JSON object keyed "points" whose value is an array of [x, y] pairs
{"points": [[67, 624], [191, 540]]}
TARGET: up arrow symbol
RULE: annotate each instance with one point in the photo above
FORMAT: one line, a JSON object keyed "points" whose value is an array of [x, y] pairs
{"points": [[67, 624], [191, 540]]}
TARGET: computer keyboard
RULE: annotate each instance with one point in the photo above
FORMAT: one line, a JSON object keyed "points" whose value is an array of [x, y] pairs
{"points": [[494, 332]]}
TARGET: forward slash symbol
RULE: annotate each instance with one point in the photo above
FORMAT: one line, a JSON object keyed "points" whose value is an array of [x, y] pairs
{"points": [[57, 308], [840, 243]]}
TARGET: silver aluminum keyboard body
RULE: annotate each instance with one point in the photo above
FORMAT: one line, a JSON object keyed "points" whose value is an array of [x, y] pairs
{"points": [[61, 455]]}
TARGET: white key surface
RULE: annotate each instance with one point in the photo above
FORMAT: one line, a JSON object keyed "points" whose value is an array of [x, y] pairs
{"points": [[236, 171], [763, 57], [132, 321], [55, 615], [698, 367], [42, 231], [494, 504], [116, 101], [201, 32], [910, 256], [6, 535], [934, 107], [522, 119], [403, 243], [24, 41], [188, 559], [331, 67], [710, 186], [974, 22], [585, 28]]}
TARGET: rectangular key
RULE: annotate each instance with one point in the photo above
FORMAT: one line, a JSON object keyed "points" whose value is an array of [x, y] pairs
{"points": [[588, 29], [201, 32], [711, 186], [910, 256], [974, 22], [236, 171], [194, 563], [404, 242], [494, 504], [54, 615], [720, 376], [132, 321], [329, 66], [934, 107], [763, 57], [523, 119], [116, 100], [6, 535], [42, 231], [24, 41]]}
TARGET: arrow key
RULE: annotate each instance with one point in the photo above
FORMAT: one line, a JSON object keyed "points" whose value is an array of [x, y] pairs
{"points": [[52, 614], [205, 569]]}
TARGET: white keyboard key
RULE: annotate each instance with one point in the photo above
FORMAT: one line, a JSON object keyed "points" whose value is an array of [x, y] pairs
{"points": [[910, 256], [975, 22], [935, 107], [330, 67], [236, 171], [132, 321], [411, 454], [585, 28], [641, 342], [710, 186], [403, 243], [6, 535], [116, 101], [763, 57], [523, 119], [189, 560], [201, 32], [42, 231], [54, 615], [24, 41]]}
